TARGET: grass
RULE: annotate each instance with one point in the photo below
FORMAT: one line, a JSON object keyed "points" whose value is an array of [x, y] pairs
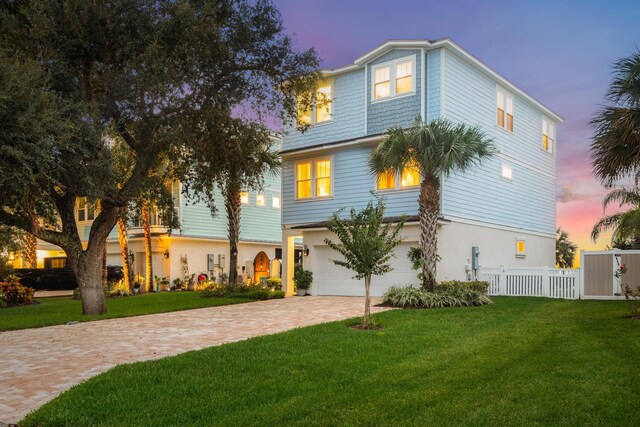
{"points": [[521, 361], [57, 311]]}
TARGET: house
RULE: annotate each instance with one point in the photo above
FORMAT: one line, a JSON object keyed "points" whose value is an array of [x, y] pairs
{"points": [[504, 210], [200, 245]]}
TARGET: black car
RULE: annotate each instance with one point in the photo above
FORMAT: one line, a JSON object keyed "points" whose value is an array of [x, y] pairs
{"points": [[56, 276]]}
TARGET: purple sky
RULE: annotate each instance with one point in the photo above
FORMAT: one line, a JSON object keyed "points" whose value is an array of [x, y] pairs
{"points": [[560, 52]]}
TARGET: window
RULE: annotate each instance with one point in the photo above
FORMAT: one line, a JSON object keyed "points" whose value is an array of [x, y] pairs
{"points": [[504, 110], [323, 178], [410, 177], [275, 202], [321, 106], [393, 78], [259, 199], [387, 180], [244, 198], [85, 211], [548, 135], [318, 172], [507, 172], [303, 180], [520, 248]]}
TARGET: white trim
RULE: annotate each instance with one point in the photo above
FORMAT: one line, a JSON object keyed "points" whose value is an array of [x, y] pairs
{"points": [[454, 48], [366, 99], [392, 65], [498, 226], [506, 167], [332, 146], [423, 80], [442, 83], [426, 86]]}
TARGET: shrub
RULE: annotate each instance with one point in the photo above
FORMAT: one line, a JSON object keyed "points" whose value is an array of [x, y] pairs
{"points": [[212, 289], [301, 277], [257, 294], [117, 288], [633, 296], [274, 283], [12, 292], [243, 290], [447, 294]]}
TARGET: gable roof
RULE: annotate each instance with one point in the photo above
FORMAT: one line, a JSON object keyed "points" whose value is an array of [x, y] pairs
{"points": [[451, 46]]}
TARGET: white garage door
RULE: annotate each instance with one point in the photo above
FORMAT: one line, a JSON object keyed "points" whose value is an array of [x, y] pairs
{"points": [[331, 279]]}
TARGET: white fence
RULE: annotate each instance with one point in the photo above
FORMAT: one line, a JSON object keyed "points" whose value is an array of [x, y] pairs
{"points": [[532, 282]]}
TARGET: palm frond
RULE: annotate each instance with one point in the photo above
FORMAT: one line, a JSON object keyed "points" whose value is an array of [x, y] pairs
{"points": [[606, 223]]}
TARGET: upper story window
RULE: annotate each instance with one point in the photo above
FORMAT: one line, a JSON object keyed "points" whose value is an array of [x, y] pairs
{"points": [[318, 172], [85, 211], [321, 106], [410, 177], [244, 198], [394, 78], [504, 110], [260, 200], [548, 135], [275, 202], [507, 172]]}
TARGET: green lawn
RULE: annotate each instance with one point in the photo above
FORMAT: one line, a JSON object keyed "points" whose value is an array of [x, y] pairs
{"points": [[56, 311], [521, 361]]}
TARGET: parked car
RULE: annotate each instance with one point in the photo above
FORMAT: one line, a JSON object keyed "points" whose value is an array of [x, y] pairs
{"points": [[56, 276]]}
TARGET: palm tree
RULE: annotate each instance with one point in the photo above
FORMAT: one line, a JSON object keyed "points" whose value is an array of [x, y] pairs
{"points": [[30, 250], [436, 149], [146, 230], [615, 149], [123, 233], [625, 225], [565, 249]]}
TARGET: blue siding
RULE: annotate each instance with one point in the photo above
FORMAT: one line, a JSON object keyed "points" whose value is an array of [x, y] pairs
{"points": [[529, 200], [352, 187], [348, 115], [381, 115], [257, 223], [433, 89]]}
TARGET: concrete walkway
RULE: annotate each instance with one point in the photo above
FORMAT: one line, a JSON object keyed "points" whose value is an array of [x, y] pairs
{"points": [[39, 364]]}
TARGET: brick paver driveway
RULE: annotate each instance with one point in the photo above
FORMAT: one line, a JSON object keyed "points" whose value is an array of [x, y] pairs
{"points": [[38, 364]]}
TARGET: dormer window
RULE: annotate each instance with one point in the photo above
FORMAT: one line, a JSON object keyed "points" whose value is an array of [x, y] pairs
{"points": [[321, 106], [394, 78]]}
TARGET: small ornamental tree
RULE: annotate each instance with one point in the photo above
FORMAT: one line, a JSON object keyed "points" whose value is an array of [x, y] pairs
{"points": [[565, 249], [366, 245]]}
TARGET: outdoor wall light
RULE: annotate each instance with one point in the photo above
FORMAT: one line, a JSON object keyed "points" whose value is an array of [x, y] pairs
{"points": [[305, 250], [132, 257], [166, 254]]}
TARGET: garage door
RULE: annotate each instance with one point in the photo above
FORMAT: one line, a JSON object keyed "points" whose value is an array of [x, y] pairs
{"points": [[331, 279]]}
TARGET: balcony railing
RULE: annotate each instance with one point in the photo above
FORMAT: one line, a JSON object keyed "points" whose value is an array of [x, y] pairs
{"points": [[159, 220]]}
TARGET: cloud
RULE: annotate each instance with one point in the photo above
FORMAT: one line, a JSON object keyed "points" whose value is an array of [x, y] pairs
{"points": [[566, 193]]}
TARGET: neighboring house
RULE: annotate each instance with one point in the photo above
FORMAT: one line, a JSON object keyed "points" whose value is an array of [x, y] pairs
{"points": [[201, 238], [506, 208]]}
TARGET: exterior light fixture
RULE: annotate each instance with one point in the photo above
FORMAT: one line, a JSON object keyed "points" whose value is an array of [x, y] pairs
{"points": [[305, 250], [166, 254]]}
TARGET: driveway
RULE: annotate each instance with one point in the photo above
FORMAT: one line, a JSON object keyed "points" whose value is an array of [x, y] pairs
{"points": [[39, 364]]}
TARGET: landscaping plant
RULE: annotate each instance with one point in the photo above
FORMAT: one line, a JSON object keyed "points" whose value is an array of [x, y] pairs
{"points": [[12, 292], [301, 277], [633, 296], [366, 245], [436, 149], [446, 294]]}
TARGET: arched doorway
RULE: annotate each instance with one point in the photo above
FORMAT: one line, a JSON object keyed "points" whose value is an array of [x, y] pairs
{"points": [[261, 266]]}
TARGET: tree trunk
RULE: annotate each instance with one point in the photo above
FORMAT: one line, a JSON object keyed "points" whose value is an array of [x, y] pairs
{"points": [[30, 251], [148, 279], [232, 205], [89, 278], [124, 250], [429, 202], [366, 319]]}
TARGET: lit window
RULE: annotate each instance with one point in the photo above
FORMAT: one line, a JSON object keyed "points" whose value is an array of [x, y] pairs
{"points": [[504, 110], [548, 135], [410, 177], [382, 83], [323, 103], [404, 77], [507, 172], [321, 106], [393, 78], [85, 211], [244, 198], [259, 199], [386, 180], [303, 180], [275, 202], [520, 248], [323, 178]]}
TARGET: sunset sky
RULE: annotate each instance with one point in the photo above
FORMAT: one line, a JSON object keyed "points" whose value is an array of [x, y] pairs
{"points": [[560, 52]]}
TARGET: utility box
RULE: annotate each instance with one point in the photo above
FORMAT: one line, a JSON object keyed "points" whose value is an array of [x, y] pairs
{"points": [[475, 258], [211, 262], [222, 261]]}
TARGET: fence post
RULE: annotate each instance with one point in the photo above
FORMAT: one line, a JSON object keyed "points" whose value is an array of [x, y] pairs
{"points": [[580, 291], [503, 281], [546, 282]]}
